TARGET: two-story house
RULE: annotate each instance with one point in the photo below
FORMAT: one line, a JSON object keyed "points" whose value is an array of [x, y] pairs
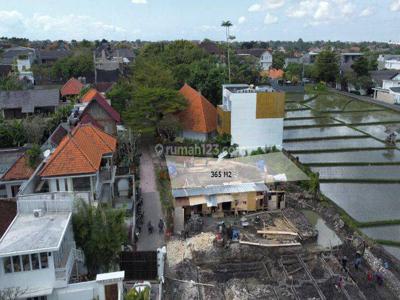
{"points": [[80, 167], [39, 258]]}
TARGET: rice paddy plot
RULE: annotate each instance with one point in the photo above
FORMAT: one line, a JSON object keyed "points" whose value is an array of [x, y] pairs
{"points": [[365, 202], [301, 114], [310, 122], [380, 131], [368, 156], [395, 251], [320, 132], [333, 144], [390, 232], [359, 172], [336, 102], [367, 117], [294, 105]]}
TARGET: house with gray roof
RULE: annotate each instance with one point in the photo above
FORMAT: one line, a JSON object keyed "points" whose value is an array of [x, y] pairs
{"points": [[18, 104]]}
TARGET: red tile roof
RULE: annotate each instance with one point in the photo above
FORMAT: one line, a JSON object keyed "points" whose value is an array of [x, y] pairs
{"points": [[79, 152], [71, 87], [275, 73], [8, 211], [90, 95], [200, 115], [19, 170]]}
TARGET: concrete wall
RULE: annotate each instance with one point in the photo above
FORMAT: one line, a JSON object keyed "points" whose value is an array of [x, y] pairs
{"points": [[385, 97], [102, 118], [247, 131]]}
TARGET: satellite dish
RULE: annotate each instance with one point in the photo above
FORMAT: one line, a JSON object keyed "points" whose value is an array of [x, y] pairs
{"points": [[46, 153]]}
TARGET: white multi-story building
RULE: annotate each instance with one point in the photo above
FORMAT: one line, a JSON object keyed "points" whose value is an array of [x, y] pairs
{"points": [[252, 116], [266, 61], [39, 259]]}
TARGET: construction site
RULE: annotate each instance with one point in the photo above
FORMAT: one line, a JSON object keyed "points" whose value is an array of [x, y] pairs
{"points": [[304, 251]]}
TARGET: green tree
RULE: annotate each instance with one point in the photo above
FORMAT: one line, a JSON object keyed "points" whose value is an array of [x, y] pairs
{"points": [[227, 25], [10, 83], [120, 94], [99, 232], [152, 73], [149, 106], [77, 65], [34, 156], [278, 60], [327, 66], [207, 76], [169, 126], [133, 294], [293, 71], [361, 66]]}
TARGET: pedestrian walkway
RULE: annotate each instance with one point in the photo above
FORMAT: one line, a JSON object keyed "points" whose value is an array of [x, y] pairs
{"points": [[151, 205]]}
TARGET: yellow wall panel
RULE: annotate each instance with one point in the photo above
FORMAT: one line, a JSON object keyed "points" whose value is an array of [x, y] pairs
{"points": [[224, 121], [270, 105]]}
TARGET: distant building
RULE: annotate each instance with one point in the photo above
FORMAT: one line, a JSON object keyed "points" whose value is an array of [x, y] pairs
{"points": [[16, 175], [10, 55], [8, 157], [71, 88], [18, 104], [347, 59], [253, 116], [388, 86], [51, 56], [389, 62], [292, 60], [199, 119], [264, 56]]}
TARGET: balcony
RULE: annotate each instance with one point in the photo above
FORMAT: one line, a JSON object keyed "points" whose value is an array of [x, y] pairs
{"points": [[63, 274]]}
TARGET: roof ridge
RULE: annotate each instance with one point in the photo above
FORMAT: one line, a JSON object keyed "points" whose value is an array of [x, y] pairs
{"points": [[54, 155], [100, 137], [83, 152]]}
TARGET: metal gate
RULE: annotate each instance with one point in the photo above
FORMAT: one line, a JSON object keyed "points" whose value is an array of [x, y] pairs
{"points": [[139, 265]]}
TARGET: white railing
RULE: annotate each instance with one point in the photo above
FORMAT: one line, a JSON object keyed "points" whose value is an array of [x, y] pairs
{"points": [[28, 205], [64, 273]]}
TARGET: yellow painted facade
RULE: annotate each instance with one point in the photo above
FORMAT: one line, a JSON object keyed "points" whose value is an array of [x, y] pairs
{"points": [[224, 121], [270, 105]]}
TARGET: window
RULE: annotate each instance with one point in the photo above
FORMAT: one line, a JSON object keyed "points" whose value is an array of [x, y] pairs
{"points": [[7, 264], [16, 263], [26, 262], [44, 263], [35, 261]]}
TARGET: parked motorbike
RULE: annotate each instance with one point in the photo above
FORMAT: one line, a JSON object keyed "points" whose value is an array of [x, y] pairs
{"points": [[150, 227], [161, 226]]}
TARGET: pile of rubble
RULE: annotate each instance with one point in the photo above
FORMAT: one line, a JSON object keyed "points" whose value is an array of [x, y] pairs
{"points": [[179, 250]]}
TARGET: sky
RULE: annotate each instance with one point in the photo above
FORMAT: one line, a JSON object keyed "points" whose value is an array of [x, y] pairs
{"points": [[346, 20]]}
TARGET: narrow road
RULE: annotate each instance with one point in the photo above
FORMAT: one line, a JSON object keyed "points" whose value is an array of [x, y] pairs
{"points": [[151, 205]]}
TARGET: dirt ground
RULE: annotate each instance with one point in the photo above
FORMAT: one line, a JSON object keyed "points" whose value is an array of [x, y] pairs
{"points": [[197, 268]]}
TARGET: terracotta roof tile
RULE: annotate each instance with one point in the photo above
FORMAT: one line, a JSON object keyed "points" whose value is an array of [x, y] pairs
{"points": [[19, 170], [275, 73], [93, 94], [80, 152], [90, 95], [8, 211], [200, 115], [71, 87]]}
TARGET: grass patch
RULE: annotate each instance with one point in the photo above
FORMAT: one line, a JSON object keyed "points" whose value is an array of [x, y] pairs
{"points": [[388, 243], [378, 223]]}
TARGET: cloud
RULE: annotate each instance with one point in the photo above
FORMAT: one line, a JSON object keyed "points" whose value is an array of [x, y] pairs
{"points": [[395, 6], [366, 12], [139, 1], [321, 11], [40, 26], [265, 5], [254, 8], [270, 19], [242, 19]]}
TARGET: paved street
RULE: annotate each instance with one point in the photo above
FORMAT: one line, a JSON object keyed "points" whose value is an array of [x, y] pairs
{"points": [[151, 205]]}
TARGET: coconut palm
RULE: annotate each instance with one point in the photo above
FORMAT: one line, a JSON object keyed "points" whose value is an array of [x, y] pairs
{"points": [[227, 24]]}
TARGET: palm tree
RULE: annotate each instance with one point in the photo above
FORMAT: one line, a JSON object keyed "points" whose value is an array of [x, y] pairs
{"points": [[227, 24]]}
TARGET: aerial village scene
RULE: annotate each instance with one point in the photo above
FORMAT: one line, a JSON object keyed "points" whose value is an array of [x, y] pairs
{"points": [[242, 149]]}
